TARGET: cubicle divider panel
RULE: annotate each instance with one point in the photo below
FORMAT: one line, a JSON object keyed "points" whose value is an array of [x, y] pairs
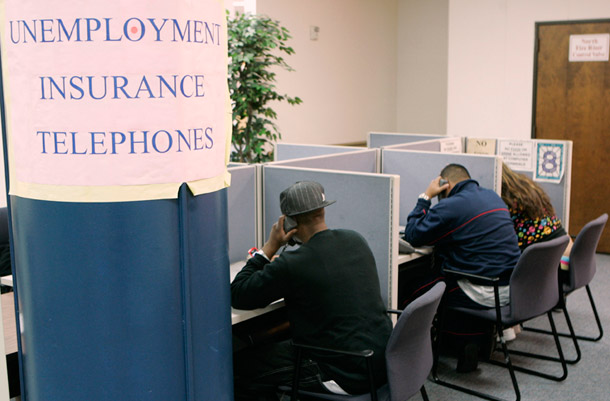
{"points": [[289, 151], [431, 145], [446, 144], [206, 298], [363, 160], [559, 191], [243, 206], [560, 198], [416, 169], [123, 300], [381, 139], [365, 203]]}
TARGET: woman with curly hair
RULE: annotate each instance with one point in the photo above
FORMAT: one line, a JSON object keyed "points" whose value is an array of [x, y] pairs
{"points": [[531, 210], [534, 219]]}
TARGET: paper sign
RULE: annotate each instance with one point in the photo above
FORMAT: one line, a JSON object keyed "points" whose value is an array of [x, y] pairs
{"points": [[451, 145], [112, 94], [481, 146], [550, 161], [589, 47], [518, 155]]}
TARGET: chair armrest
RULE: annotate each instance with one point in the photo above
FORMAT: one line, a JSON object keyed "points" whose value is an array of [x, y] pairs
{"points": [[367, 353], [491, 280], [394, 311], [495, 281]]}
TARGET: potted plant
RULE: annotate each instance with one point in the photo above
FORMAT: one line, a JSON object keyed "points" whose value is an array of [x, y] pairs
{"points": [[256, 45]]}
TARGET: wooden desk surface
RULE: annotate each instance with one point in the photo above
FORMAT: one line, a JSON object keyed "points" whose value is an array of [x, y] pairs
{"points": [[407, 257], [8, 321]]}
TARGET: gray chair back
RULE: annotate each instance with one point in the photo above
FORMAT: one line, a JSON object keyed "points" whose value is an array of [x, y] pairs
{"points": [[582, 256], [534, 286], [409, 349]]}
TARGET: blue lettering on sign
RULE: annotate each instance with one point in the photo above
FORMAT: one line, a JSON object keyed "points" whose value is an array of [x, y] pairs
{"points": [[79, 87], [114, 141], [74, 150], [128, 142], [108, 32], [133, 29]]}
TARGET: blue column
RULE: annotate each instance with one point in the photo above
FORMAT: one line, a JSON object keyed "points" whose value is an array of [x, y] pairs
{"points": [[124, 301]]}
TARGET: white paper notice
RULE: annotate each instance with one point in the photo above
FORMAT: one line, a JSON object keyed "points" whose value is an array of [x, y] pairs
{"points": [[590, 47], [518, 155], [481, 146], [451, 145]]}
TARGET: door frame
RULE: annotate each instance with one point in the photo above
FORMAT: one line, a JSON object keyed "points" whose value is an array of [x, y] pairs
{"points": [[537, 45]]}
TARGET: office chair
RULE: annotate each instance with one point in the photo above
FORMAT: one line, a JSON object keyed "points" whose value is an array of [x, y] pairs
{"points": [[581, 270], [408, 355], [534, 291]]}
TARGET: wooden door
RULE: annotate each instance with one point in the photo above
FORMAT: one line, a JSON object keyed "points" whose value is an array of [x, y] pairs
{"points": [[572, 102]]}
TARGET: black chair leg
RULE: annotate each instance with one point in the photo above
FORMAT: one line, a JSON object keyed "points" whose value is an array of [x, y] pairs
{"points": [[294, 396], [561, 358], [424, 394], [571, 335], [599, 323], [466, 390], [584, 338], [508, 364]]}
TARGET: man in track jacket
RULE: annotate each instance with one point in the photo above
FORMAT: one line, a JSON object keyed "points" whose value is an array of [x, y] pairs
{"points": [[471, 231]]}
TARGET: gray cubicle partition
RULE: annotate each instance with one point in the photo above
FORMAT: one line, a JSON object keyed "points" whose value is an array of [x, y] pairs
{"points": [[416, 169], [366, 203], [288, 151], [243, 210], [380, 139], [448, 144], [362, 160], [429, 145], [559, 192]]}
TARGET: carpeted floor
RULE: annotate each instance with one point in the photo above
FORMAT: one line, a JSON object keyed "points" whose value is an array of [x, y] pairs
{"points": [[588, 380]]}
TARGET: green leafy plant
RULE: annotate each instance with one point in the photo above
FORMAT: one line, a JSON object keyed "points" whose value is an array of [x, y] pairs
{"points": [[256, 46]]}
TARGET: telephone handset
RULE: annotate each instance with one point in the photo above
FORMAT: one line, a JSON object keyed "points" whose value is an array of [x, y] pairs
{"points": [[290, 224], [443, 194]]}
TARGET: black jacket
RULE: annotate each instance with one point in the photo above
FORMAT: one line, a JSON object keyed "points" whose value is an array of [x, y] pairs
{"points": [[332, 295]]}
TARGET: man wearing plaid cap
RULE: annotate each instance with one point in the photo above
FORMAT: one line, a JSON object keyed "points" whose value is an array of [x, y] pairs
{"points": [[332, 294]]}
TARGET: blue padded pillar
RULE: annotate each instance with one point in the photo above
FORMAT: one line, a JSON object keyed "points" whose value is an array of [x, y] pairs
{"points": [[124, 301]]}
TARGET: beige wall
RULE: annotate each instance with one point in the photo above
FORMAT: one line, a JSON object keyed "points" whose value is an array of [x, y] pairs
{"points": [[347, 78], [421, 98], [491, 61]]}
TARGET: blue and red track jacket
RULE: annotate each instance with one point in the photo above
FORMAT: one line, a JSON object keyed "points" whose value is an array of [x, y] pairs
{"points": [[471, 231]]}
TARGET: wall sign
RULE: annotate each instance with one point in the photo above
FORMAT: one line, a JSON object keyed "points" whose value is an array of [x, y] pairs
{"points": [[451, 145], [550, 161], [115, 100], [590, 47], [518, 155], [481, 146]]}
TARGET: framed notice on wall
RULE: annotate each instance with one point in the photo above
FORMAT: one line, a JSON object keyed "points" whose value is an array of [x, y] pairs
{"points": [[517, 154], [593, 47], [550, 161], [112, 101]]}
